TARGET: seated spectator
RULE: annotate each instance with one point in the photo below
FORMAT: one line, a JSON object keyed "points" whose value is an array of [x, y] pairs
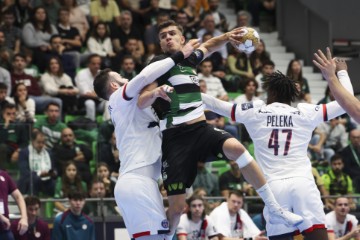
{"points": [[68, 150], [243, 19], [267, 68], [131, 49], [56, 83], [103, 174], [100, 43], [36, 34], [218, 62], [22, 10], [18, 75], [77, 17], [220, 19], [231, 221], [258, 57], [51, 125], [6, 53], [109, 154], [13, 136], [3, 99], [25, 106], [5, 79], [84, 81], [249, 92], [38, 228], [294, 71], [336, 182], [195, 224], [328, 205], [207, 180], [106, 11], [51, 7], [36, 160], [351, 156], [127, 69], [73, 223], [340, 224], [182, 20], [99, 208], [69, 182], [192, 14], [11, 32], [214, 85], [233, 180]]}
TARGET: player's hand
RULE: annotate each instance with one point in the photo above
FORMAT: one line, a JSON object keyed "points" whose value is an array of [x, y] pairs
{"points": [[326, 64], [190, 46], [261, 236], [340, 64], [22, 226], [162, 92], [235, 35]]}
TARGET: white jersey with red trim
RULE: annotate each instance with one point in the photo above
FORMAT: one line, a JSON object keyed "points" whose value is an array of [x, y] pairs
{"points": [[138, 136], [340, 229], [194, 231], [281, 135]]}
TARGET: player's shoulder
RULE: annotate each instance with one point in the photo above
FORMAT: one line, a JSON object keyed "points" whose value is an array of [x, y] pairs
{"points": [[158, 58], [251, 105]]}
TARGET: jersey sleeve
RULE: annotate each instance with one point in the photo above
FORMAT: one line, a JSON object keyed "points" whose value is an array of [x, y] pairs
{"points": [[211, 229], [181, 228], [243, 113]]}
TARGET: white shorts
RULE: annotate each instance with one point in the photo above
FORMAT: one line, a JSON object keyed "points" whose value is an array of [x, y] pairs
{"points": [[301, 196], [141, 205]]}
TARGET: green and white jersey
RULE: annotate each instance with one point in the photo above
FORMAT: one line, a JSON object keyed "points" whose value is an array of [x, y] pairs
{"points": [[186, 103]]}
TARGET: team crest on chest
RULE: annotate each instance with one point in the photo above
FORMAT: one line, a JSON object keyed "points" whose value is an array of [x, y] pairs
{"points": [[194, 79]]}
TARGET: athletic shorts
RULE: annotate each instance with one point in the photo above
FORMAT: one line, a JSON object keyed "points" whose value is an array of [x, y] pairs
{"points": [[183, 146], [141, 205], [301, 196]]}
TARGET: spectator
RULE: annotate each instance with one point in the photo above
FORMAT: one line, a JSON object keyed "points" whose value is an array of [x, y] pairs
{"points": [[214, 85], [84, 81], [150, 12], [38, 228], [232, 222], [56, 83], [267, 68], [35, 160], [51, 7], [69, 182], [12, 136], [77, 17], [18, 75], [243, 19], [5, 52], [336, 182], [109, 154], [74, 224], [259, 57], [250, 92], [67, 150], [182, 20], [103, 174], [351, 156], [25, 106], [195, 224], [100, 43], [106, 11], [36, 34], [324, 193], [8, 187], [191, 13], [127, 69], [6, 80], [22, 11], [12, 33], [3, 99], [294, 71], [201, 5], [51, 126], [340, 224], [131, 49], [220, 19], [233, 180], [218, 62], [206, 180]]}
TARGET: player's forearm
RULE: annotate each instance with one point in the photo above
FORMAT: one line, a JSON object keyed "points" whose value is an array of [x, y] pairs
{"points": [[215, 43], [147, 96], [216, 105]]}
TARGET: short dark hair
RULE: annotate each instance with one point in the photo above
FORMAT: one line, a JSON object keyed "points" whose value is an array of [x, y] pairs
{"points": [[101, 83], [268, 63], [280, 88], [76, 195], [94, 55], [335, 157], [32, 200], [20, 55], [206, 60], [127, 57], [53, 37], [35, 134], [169, 23], [51, 104], [249, 80], [237, 193]]}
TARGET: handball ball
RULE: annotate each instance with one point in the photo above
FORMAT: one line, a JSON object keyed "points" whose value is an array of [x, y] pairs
{"points": [[249, 40]]}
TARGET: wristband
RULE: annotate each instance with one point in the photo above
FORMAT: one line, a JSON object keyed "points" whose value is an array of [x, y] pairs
{"points": [[177, 57]]}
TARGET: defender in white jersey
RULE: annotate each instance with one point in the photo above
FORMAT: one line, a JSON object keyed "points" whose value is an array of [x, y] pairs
{"points": [[281, 134], [340, 224], [138, 138]]}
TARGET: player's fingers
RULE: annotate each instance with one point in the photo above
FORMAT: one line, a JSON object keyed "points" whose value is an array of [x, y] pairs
{"points": [[328, 53], [317, 64], [167, 89], [322, 55], [318, 59]]}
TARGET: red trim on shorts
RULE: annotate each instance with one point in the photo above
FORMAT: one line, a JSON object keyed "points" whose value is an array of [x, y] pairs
{"points": [[233, 112], [141, 234], [124, 94], [325, 116], [313, 227]]}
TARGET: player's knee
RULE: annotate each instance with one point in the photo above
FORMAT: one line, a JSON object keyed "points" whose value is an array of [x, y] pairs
{"points": [[244, 159], [233, 148]]}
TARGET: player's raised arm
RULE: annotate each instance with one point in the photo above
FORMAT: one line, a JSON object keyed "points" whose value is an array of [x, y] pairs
{"points": [[215, 105], [328, 67], [154, 70]]}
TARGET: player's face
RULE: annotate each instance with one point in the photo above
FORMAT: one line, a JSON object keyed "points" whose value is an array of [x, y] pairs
{"points": [[197, 208], [235, 203], [171, 39], [342, 206]]}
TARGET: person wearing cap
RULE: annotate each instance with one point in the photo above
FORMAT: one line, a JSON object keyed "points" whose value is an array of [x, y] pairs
{"points": [[73, 223]]}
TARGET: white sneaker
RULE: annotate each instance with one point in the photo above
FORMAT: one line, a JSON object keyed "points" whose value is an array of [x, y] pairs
{"points": [[282, 216]]}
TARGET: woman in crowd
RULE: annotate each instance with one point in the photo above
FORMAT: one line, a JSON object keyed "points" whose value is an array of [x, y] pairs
{"points": [[25, 106], [294, 71]]}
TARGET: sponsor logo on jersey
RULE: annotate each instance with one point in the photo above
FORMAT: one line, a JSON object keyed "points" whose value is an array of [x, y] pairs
{"points": [[165, 223], [175, 186], [317, 108], [194, 79], [246, 106]]}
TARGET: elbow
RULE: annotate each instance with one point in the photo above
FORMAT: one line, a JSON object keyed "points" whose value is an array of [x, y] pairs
{"points": [[141, 104]]}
